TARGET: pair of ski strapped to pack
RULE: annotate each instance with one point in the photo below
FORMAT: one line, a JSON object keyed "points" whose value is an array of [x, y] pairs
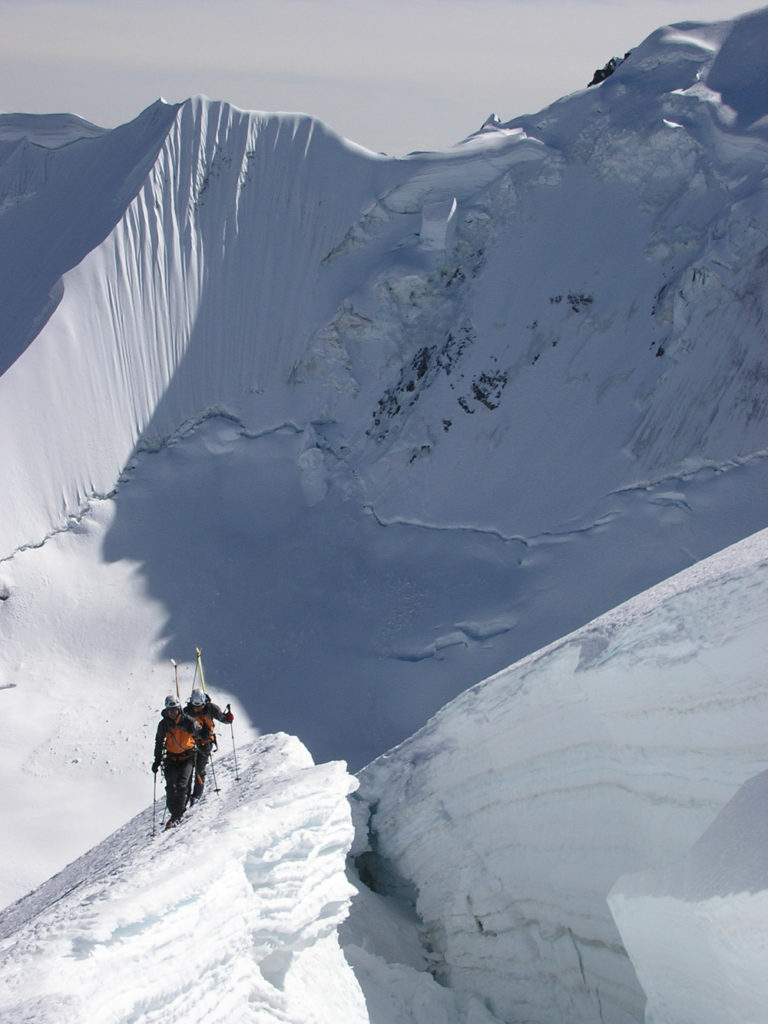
{"points": [[198, 668]]}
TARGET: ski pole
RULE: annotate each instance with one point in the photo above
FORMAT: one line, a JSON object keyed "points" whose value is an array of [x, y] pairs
{"points": [[154, 801], [176, 673], [213, 776], [234, 751], [191, 783]]}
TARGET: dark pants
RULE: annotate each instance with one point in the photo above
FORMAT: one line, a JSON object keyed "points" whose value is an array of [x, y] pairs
{"points": [[203, 757], [178, 773]]}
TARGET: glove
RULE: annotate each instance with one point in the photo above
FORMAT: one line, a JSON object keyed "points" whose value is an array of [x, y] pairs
{"points": [[229, 717], [155, 766]]}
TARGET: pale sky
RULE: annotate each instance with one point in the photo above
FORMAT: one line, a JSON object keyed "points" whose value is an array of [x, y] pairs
{"points": [[392, 75]]}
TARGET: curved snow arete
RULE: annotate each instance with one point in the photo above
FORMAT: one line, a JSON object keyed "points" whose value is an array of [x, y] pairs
{"points": [[194, 254]]}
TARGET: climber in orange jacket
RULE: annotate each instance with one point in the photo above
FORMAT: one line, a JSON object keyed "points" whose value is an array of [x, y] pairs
{"points": [[176, 743], [202, 709]]}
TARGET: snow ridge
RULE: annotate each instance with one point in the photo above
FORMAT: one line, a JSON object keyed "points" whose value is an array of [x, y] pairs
{"points": [[136, 308], [251, 886], [233, 915]]}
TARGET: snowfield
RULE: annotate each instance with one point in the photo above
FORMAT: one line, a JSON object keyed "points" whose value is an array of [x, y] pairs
{"points": [[370, 431]]}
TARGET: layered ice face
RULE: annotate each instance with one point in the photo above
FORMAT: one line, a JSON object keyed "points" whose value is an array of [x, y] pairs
{"points": [[514, 815]]}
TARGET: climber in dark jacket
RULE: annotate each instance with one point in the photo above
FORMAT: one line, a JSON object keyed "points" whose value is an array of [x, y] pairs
{"points": [[176, 742], [202, 709]]}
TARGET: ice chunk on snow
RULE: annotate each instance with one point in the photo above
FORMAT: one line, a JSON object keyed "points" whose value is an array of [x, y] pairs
{"points": [[697, 933], [438, 224]]}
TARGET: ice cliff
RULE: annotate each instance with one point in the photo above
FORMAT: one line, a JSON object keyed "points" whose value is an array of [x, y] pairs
{"points": [[513, 813]]}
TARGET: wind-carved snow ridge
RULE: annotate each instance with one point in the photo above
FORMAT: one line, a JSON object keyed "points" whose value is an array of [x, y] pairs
{"points": [[188, 303], [233, 913], [513, 812]]}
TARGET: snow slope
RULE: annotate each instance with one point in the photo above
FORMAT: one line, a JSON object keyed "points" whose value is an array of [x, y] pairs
{"points": [[231, 916], [507, 819], [511, 815]]}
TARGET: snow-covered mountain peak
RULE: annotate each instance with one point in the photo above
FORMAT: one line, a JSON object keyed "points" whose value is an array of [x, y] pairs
{"points": [[48, 130], [64, 186], [240, 214], [700, 71]]}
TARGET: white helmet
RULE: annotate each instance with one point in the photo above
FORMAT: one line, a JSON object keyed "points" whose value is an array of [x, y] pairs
{"points": [[172, 702], [197, 698]]}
